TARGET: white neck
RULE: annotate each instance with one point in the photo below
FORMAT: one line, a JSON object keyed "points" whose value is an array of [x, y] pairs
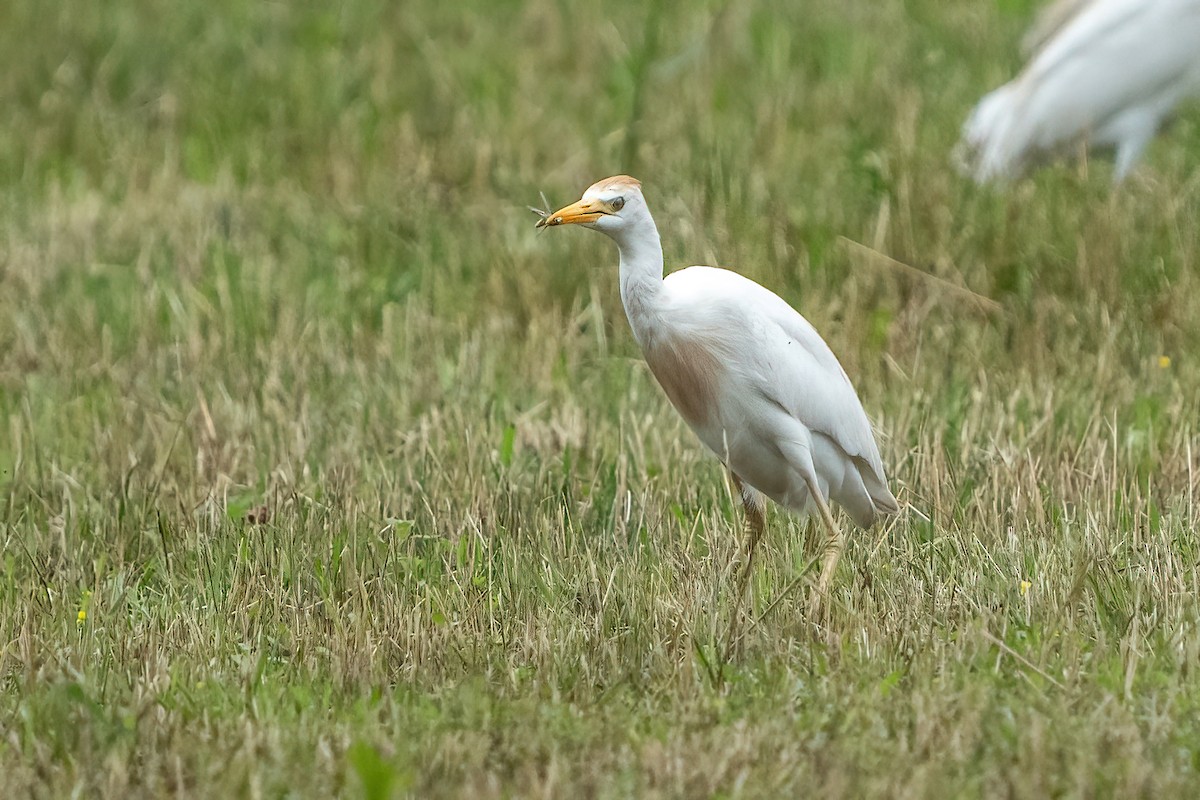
{"points": [[641, 274]]}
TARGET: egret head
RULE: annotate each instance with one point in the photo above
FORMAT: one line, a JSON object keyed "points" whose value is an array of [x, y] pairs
{"points": [[610, 206]]}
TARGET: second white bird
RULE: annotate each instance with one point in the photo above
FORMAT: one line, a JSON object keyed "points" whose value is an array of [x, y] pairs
{"points": [[1105, 72]]}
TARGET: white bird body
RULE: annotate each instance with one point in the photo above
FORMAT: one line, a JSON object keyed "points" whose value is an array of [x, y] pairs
{"points": [[749, 374], [762, 390], [1109, 72]]}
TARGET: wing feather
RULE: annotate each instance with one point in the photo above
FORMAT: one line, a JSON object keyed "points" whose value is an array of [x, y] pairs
{"points": [[1098, 62], [792, 367]]}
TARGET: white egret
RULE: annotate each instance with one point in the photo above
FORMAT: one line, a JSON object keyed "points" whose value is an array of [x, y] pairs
{"points": [[749, 375], [1108, 73]]}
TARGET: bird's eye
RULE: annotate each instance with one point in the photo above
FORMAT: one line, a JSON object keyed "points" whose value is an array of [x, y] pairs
{"points": [[617, 203]]}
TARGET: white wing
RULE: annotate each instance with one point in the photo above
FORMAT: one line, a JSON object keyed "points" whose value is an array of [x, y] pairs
{"points": [[1111, 74], [782, 357]]}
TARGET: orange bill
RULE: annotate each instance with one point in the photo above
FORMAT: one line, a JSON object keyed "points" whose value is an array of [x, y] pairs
{"points": [[581, 211]]}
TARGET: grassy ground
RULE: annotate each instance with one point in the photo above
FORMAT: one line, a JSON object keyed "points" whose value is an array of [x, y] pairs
{"points": [[321, 472]]}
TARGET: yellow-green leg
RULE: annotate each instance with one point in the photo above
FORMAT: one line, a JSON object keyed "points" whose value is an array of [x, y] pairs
{"points": [[756, 523], [829, 561]]}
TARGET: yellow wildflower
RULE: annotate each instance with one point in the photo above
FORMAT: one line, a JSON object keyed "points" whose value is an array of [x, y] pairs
{"points": [[84, 603], [1164, 362], [1025, 587]]}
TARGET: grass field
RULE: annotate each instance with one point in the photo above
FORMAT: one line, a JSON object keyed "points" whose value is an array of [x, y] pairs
{"points": [[323, 473]]}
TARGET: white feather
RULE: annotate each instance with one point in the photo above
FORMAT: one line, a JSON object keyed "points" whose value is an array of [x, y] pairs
{"points": [[752, 378], [1109, 72], [786, 406]]}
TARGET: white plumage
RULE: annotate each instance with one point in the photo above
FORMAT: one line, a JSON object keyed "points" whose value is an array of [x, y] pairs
{"points": [[783, 408], [1105, 72], [751, 377]]}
